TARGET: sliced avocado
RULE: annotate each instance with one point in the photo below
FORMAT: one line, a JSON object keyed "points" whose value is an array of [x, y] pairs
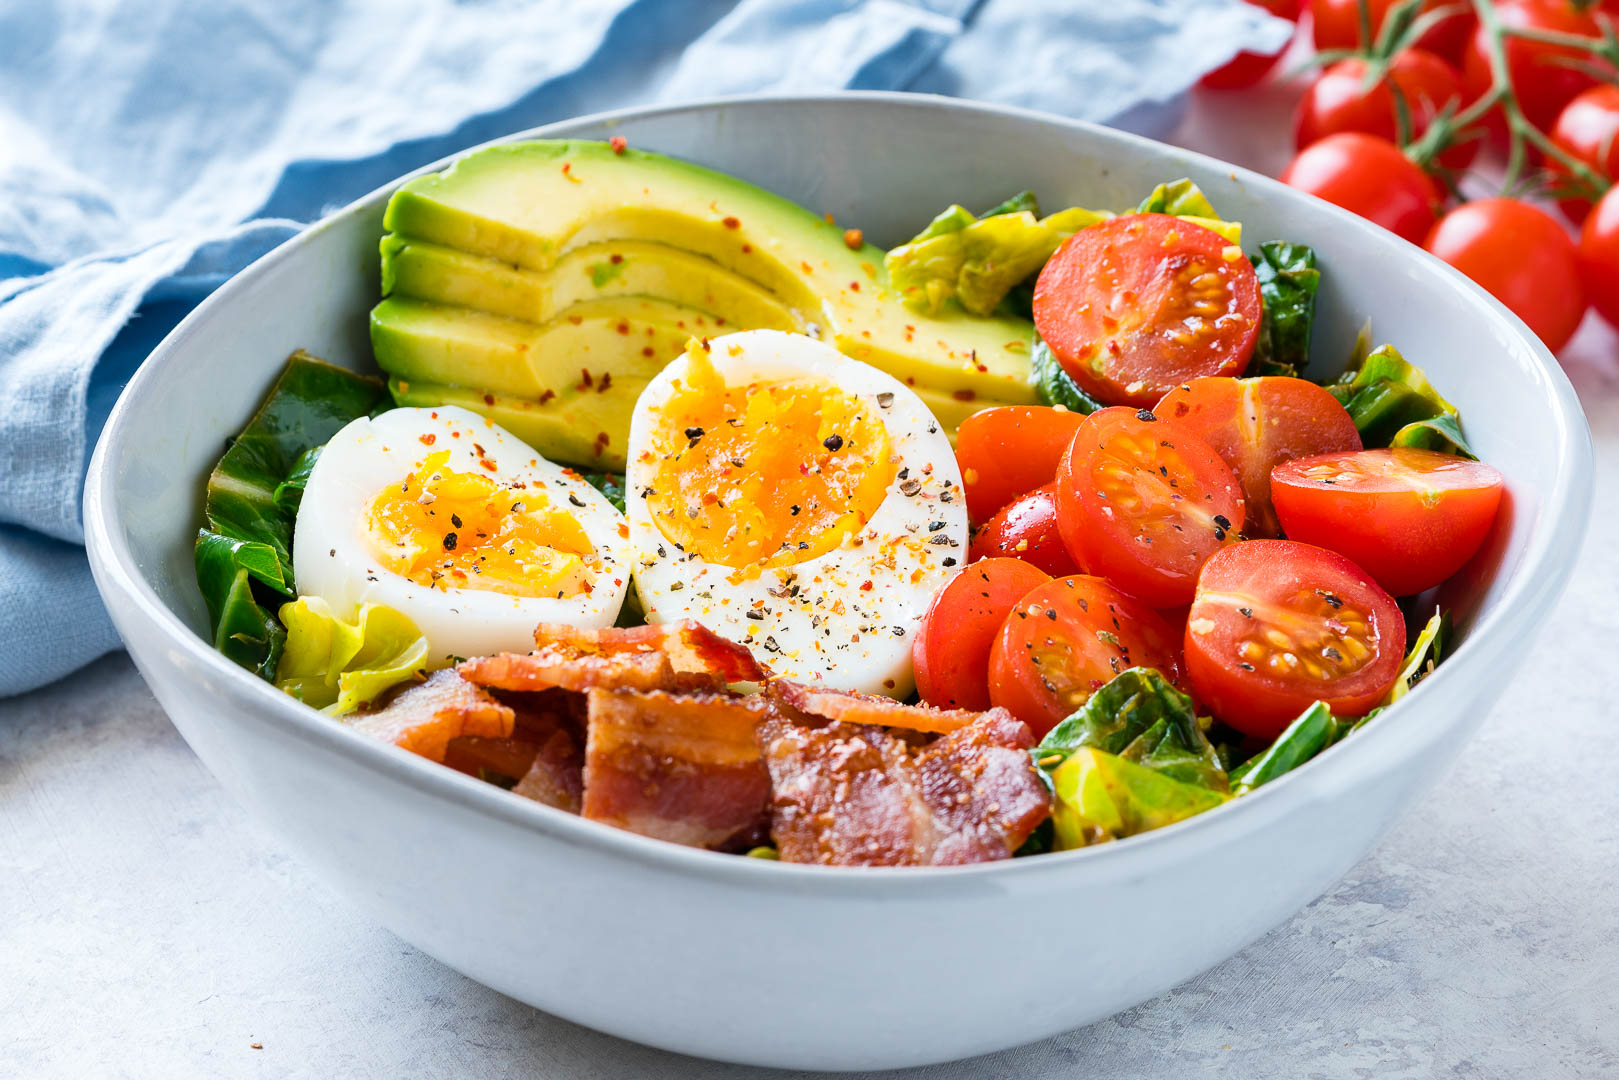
{"points": [[630, 337], [586, 426], [533, 204], [596, 271]]}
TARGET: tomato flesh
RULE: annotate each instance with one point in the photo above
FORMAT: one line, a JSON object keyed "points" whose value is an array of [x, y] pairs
{"points": [[1541, 74], [1599, 256], [1144, 502], [1588, 130], [1007, 451], [1410, 518], [1278, 625], [952, 644], [1133, 305], [1068, 637], [1340, 100], [1368, 176], [1337, 26], [1246, 68], [1254, 424], [1026, 528]]}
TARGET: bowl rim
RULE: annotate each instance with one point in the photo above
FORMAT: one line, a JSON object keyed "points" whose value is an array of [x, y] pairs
{"points": [[1540, 576]]}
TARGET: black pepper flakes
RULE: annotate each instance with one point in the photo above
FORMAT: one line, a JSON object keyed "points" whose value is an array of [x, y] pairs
{"points": [[1222, 521], [949, 561], [449, 541], [572, 498], [935, 526], [833, 443], [455, 520]]}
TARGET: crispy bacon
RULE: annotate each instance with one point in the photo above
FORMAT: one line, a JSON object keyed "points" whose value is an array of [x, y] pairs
{"points": [[544, 755], [857, 795], [681, 768], [853, 707], [684, 656], [424, 718]]}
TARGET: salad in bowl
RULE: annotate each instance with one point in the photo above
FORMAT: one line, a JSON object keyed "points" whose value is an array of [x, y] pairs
{"points": [[682, 508]]}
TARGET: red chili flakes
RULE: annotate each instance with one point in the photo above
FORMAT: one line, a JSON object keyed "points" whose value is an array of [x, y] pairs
{"points": [[731, 223], [830, 220], [489, 399], [615, 259], [623, 530], [618, 143], [623, 327], [547, 396], [866, 586], [576, 319], [647, 351], [747, 249], [567, 170], [606, 381], [486, 463], [429, 439], [718, 321], [585, 380], [854, 239], [854, 286], [806, 267], [963, 395]]}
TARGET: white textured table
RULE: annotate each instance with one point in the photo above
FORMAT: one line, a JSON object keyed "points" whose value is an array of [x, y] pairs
{"points": [[147, 928]]}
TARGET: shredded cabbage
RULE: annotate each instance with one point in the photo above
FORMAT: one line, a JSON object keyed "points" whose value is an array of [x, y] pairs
{"points": [[337, 666]]}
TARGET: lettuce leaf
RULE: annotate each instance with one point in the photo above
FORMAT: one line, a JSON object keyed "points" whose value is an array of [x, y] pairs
{"points": [[337, 666], [1101, 797], [1288, 280], [1138, 716], [1393, 404], [1052, 383], [1314, 730]]}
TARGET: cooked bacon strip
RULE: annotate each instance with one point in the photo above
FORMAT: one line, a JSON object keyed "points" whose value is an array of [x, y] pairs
{"points": [[556, 777], [853, 707], [855, 795], [424, 718], [544, 756], [674, 656], [681, 768]]}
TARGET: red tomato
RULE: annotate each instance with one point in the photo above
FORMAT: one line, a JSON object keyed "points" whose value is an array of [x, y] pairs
{"points": [[1256, 423], [1246, 69], [1026, 528], [1065, 639], [1522, 257], [1599, 256], [1337, 26], [1278, 625], [1588, 130], [1341, 101], [1540, 73], [951, 648], [1370, 177], [1410, 518], [1007, 451], [1144, 503], [1136, 304]]}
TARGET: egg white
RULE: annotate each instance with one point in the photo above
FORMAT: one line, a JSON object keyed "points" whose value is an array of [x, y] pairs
{"points": [[841, 619], [332, 557]]}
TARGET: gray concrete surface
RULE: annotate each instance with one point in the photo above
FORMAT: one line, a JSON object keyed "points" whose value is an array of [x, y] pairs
{"points": [[149, 929]]}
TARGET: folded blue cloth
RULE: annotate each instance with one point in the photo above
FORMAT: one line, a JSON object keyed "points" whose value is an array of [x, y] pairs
{"points": [[155, 147]]}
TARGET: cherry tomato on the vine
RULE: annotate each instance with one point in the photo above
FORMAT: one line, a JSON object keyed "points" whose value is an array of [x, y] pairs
{"points": [[1370, 177], [1588, 130], [1410, 518], [1337, 25], [1026, 528], [1522, 257], [1541, 75], [951, 648], [1278, 625], [1134, 305], [1246, 69], [1007, 451], [1340, 100], [1599, 256]]}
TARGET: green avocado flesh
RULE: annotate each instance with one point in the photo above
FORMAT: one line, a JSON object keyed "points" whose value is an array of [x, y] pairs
{"points": [[524, 276]]}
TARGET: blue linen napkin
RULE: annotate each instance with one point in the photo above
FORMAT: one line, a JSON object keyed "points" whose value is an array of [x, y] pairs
{"points": [[152, 148]]}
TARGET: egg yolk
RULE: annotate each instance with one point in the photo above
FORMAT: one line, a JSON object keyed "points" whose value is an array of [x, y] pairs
{"points": [[767, 473], [456, 530]]}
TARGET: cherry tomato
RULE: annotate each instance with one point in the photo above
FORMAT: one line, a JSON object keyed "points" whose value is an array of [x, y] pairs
{"points": [[1007, 451], [1278, 625], [951, 648], [1588, 130], [1144, 502], [1246, 69], [1370, 177], [1540, 73], [1522, 257], [1133, 305], [1026, 528], [1340, 100], [1599, 256], [1066, 638], [1256, 423], [1337, 26], [1410, 518]]}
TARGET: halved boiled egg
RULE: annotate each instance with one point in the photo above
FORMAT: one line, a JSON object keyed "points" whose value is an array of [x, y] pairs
{"points": [[787, 496], [457, 523]]}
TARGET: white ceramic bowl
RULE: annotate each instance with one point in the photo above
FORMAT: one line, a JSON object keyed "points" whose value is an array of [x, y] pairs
{"points": [[779, 965]]}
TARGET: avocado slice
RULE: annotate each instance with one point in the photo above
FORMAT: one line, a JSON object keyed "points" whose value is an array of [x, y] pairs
{"points": [[583, 425]]}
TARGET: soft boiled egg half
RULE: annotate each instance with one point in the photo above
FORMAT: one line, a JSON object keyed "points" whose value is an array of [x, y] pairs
{"points": [[789, 497], [457, 523]]}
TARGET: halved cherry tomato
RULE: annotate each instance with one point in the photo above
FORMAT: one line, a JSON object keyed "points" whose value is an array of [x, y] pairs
{"points": [[1144, 502], [1065, 639], [951, 648], [1542, 75], [1337, 26], [1340, 100], [1599, 256], [1588, 130], [1254, 424], [1007, 451], [1026, 528], [1410, 518], [1246, 68], [1370, 177], [1136, 304], [1278, 625], [1522, 257]]}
